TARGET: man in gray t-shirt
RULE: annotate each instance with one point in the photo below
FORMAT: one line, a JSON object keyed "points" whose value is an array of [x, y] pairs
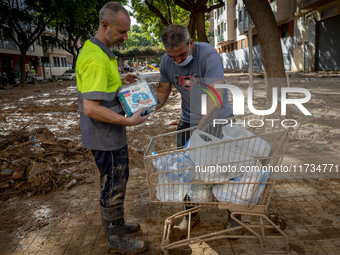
{"points": [[194, 69]]}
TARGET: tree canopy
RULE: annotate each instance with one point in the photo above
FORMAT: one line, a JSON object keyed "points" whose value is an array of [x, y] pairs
{"points": [[138, 38], [157, 15], [76, 23]]}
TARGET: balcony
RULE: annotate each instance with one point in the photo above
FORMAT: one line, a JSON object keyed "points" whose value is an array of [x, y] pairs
{"points": [[243, 26], [311, 4]]}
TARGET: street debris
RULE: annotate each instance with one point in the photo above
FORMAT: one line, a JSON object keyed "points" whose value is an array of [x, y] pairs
{"points": [[32, 161]]}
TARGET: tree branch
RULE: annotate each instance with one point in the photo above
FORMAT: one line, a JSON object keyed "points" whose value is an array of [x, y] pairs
{"points": [[157, 12], [216, 6], [183, 5]]}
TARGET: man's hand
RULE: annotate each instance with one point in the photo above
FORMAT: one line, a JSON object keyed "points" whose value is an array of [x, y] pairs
{"points": [[137, 118], [130, 78]]}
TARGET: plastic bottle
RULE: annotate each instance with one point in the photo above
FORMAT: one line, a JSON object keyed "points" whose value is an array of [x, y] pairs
{"points": [[173, 162], [70, 184]]}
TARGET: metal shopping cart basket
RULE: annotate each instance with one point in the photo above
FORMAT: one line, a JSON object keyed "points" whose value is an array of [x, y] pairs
{"points": [[236, 173]]}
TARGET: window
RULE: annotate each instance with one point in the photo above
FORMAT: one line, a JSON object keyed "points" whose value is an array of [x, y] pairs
{"points": [[232, 47], [302, 21], [63, 62], [255, 40], [1, 42], [56, 61], [285, 30], [225, 26], [242, 44], [240, 17], [31, 48], [215, 15], [8, 41], [236, 45]]}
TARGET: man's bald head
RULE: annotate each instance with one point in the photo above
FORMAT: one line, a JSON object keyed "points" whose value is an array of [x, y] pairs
{"points": [[109, 12]]}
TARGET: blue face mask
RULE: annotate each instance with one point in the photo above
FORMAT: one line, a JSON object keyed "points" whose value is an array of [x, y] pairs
{"points": [[187, 61]]}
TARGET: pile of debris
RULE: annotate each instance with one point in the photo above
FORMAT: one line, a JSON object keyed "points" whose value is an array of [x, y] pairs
{"points": [[37, 162]]}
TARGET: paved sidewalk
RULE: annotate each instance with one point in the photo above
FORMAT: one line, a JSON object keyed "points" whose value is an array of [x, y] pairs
{"points": [[310, 206]]}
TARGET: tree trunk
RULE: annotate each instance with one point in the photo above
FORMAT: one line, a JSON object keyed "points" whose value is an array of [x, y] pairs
{"points": [[270, 44], [22, 67], [200, 27], [74, 60]]}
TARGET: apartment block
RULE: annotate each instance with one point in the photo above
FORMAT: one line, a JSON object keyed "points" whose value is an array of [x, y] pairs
{"points": [[231, 39], [317, 29], [10, 55]]}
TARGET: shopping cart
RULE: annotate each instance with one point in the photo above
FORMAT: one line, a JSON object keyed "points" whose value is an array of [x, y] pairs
{"points": [[175, 175]]}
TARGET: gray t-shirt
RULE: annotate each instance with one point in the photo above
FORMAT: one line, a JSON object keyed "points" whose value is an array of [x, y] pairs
{"points": [[192, 80]]}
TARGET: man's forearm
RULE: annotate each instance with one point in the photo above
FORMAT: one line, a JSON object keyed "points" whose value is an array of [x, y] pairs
{"points": [[208, 119], [104, 114], [162, 98]]}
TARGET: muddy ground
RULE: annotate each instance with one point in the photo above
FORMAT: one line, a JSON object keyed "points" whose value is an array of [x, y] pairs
{"points": [[50, 111]]}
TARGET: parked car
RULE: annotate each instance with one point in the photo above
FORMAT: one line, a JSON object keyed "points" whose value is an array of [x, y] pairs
{"points": [[128, 68], [69, 75]]}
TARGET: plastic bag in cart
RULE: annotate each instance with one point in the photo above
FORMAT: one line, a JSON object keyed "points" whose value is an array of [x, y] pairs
{"points": [[237, 192], [210, 155], [200, 192], [182, 173]]}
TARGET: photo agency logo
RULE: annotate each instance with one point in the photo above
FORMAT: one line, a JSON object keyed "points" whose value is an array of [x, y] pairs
{"points": [[238, 104]]}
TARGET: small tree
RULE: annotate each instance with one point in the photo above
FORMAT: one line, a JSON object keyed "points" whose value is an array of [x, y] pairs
{"points": [[28, 20]]}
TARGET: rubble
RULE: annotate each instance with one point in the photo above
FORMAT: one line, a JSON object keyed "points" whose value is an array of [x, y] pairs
{"points": [[32, 161]]}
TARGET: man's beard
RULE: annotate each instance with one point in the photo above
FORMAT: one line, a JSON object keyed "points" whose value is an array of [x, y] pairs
{"points": [[112, 43]]}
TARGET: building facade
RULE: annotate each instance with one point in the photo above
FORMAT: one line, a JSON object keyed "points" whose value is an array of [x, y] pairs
{"points": [[55, 60], [10, 55], [47, 61], [310, 38], [317, 29]]}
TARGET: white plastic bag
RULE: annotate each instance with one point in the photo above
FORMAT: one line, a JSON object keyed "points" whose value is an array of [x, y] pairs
{"points": [[200, 192], [256, 147], [217, 160], [238, 193]]}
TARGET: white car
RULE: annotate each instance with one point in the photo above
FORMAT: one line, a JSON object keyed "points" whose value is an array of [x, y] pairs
{"points": [[69, 75]]}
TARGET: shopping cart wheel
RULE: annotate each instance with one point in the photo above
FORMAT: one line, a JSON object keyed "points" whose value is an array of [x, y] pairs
{"points": [[280, 222], [175, 235]]}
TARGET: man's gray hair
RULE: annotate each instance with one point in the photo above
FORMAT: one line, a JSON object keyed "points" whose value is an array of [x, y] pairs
{"points": [[109, 12], [174, 35]]}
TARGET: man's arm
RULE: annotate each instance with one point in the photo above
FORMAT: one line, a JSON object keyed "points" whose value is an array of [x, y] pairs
{"points": [[212, 109], [162, 94], [94, 110]]}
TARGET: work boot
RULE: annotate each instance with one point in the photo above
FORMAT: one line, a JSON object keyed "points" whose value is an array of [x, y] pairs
{"points": [[195, 219], [114, 228], [130, 228], [234, 224]]}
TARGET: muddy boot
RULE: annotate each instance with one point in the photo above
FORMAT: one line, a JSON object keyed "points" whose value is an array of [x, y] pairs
{"points": [[130, 228], [195, 219], [114, 228], [234, 224]]}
